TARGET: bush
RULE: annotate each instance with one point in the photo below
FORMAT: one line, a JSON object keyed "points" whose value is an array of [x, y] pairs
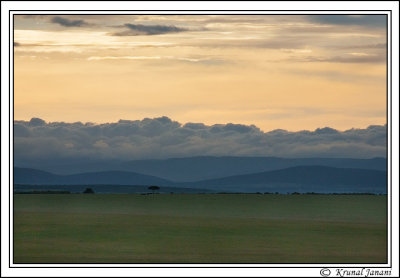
{"points": [[88, 191]]}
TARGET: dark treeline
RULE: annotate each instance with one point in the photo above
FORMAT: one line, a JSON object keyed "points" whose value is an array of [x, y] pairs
{"points": [[244, 193]]}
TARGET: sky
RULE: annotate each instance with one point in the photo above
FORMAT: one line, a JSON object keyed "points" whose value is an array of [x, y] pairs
{"points": [[290, 72]]}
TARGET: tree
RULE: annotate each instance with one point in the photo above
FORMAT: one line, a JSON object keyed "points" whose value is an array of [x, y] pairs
{"points": [[88, 191], [153, 188]]}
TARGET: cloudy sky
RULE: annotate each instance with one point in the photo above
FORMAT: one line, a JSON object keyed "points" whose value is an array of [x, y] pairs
{"points": [[36, 140], [292, 72]]}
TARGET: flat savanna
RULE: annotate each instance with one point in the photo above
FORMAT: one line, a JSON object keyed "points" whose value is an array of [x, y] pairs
{"points": [[199, 228]]}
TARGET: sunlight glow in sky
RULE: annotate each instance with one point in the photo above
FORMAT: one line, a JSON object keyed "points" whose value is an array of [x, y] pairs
{"points": [[289, 72]]}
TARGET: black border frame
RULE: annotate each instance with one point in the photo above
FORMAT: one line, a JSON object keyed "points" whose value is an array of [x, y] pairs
{"points": [[388, 14]]}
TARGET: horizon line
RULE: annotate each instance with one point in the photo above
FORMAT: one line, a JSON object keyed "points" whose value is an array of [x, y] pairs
{"points": [[183, 124]]}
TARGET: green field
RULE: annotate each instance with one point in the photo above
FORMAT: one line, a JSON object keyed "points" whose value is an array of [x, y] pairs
{"points": [[203, 228]]}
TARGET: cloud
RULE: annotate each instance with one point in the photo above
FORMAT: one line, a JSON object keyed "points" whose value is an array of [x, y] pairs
{"points": [[353, 57], [68, 22], [17, 44], [164, 138], [97, 144], [36, 122], [98, 58], [364, 46], [241, 42], [192, 60], [361, 20], [339, 76], [139, 30]]}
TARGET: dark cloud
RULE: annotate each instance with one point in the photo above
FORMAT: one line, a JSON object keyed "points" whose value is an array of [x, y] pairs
{"points": [[68, 22], [362, 20], [195, 126], [36, 122], [17, 44], [139, 29], [326, 130], [163, 138], [21, 130]]}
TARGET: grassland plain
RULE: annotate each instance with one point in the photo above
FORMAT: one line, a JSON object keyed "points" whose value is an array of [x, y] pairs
{"points": [[199, 228]]}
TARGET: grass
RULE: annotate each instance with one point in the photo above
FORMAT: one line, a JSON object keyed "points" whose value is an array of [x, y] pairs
{"points": [[209, 228]]}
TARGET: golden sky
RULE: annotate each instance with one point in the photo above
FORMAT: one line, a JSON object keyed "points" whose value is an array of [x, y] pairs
{"points": [[290, 72]]}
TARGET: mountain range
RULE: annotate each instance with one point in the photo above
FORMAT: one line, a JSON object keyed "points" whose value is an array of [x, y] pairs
{"points": [[34, 176], [190, 169], [304, 178]]}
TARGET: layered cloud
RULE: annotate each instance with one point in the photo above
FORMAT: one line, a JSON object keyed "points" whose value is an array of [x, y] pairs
{"points": [[140, 29], [251, 31], [198, 60], [352, 57], [68, 22], [360, 20], [164, 138]]}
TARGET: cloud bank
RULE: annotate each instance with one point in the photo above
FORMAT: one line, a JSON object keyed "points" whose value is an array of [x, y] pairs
{"points": [[165, 138]]}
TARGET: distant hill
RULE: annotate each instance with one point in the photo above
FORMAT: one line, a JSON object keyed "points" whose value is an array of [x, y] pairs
{"points": [[204, 167], [321, 179], [302, 179], [200, 168], [33, 176]]}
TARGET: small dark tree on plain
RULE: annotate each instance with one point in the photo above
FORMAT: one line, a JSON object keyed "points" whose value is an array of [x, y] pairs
{"points": [[153, 188], [88, 191]]}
